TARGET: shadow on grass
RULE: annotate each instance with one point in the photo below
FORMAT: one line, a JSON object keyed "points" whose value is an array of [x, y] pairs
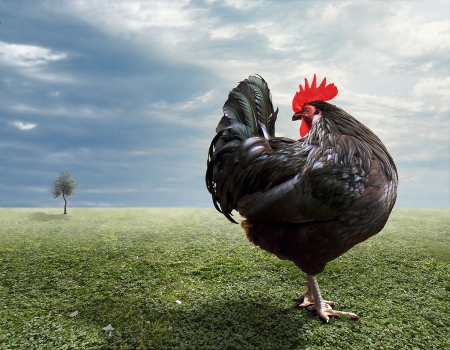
{"points": [[239, 325], [222, 324], [42, 217]]}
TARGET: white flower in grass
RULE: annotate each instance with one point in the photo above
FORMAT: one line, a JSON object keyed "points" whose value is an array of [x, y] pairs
{"points": [[108, 329]]}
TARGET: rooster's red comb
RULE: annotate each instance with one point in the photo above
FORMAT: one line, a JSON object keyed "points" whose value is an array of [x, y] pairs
{"points": [[312, 93]]}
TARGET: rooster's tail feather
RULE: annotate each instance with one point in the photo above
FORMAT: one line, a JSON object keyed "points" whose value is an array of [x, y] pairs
{"points": [[248, 112]]}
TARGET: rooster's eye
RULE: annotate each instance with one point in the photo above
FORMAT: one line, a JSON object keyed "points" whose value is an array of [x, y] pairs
{"points": [[308, 110]]}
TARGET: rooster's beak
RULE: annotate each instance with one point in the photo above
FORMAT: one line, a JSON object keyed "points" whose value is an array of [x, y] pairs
{"points": [[297, 116]]}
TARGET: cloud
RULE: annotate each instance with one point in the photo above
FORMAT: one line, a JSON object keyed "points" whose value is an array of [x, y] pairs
{"points": [[23, 126], [39, 189], [135, 15], [113, 190], [396, 39], [194, 113], [55, 93], [224, 32], [148, 80], [237, 4], [155, 21], [65, 111], [33, 61], [174, 31], [27, 55], [287, 41], [434, 94], [183, 31]]}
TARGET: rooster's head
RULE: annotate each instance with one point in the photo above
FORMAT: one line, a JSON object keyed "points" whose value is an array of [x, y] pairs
{"points": [[305, 111]]}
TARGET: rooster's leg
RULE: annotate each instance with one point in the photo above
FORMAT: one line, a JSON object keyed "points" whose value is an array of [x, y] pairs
{"points": [[306, 298], [312, 300]]}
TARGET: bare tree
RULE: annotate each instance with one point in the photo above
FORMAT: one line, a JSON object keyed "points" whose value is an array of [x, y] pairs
{"points": [[64, 185]]}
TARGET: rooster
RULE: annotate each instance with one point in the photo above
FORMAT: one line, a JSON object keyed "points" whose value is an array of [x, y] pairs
{"points": [[308, 201]]}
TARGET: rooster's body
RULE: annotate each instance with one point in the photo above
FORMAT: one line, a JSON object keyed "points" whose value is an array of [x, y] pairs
{"points": [[308, 201]]}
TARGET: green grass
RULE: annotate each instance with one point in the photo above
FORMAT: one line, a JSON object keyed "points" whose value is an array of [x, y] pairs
{"points": [[128, 268]]}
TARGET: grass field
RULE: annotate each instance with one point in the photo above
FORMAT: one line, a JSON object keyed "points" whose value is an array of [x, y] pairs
{"points": [[188, 279]]}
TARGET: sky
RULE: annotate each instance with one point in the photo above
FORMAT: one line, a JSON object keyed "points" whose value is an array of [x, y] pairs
{"points": [[126, 94]]}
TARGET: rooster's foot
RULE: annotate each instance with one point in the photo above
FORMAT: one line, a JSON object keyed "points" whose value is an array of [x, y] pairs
{"points": [[326, 310], [312, 300], [307, 299]]}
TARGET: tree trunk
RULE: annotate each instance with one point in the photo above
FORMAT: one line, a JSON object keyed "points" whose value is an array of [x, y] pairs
{"points": [[65, 204]]}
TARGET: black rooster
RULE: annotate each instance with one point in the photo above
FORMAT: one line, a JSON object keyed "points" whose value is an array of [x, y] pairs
{"points": [[308, 201]]}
